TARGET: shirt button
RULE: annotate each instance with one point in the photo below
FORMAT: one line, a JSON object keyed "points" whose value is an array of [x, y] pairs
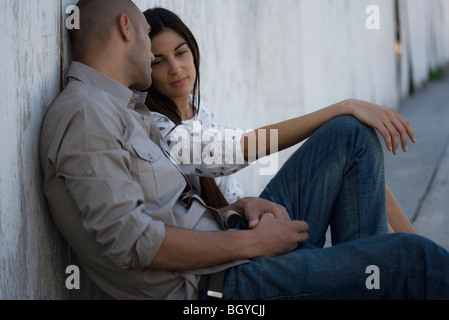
{"points": [[89, 172]]}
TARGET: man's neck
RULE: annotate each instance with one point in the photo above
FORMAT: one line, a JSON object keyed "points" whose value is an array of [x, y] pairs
{"points": [[113, 71]]}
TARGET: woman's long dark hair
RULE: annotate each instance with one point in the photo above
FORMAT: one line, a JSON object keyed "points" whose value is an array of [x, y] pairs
{"points": [[160, 19]]}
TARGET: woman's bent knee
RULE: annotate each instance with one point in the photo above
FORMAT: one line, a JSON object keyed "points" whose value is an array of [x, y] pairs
{"points": [[355, 133]]}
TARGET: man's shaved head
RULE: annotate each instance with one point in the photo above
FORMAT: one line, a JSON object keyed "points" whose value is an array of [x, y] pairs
{"points": [[114, 39], [97, 19]]}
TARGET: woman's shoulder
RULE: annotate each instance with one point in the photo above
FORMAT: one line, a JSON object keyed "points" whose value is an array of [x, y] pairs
{"points": [[164, 124], [206, 115], [159, 117]]}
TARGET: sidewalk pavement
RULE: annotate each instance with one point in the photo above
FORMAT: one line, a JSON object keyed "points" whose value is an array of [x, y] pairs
{"points": [[420, 178]]}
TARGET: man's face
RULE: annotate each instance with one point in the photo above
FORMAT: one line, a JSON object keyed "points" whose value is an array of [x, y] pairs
{"points": [[141, 55]]}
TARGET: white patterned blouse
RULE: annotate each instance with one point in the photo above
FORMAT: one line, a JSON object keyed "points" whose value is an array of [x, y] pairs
{"points": [[203, 148]]}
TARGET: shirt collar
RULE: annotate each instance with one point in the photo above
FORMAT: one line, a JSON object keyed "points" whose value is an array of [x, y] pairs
{"points": [[88, 75], [137, 100]]}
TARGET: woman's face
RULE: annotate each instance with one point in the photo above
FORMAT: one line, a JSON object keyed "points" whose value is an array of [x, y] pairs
{"points": [[174, 72]]}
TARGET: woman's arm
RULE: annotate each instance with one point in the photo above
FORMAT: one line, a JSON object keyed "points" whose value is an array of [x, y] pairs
{"points": [[388, 122]]}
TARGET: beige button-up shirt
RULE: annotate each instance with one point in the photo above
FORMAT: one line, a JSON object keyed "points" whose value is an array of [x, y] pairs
{"points": [[111, 188]]}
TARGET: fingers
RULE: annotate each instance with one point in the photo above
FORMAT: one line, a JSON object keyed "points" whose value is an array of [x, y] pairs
{"points": [[276, 212], [273, 209], [301, 226], [409, 129], [275, 237], [280, 212], [297, 231], [397, 130], [393, 127], [253, 223], [393, 136]]}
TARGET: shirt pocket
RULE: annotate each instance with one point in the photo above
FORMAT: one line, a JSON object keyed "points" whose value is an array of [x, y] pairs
{"points": [[146, 157], [160, 180]]}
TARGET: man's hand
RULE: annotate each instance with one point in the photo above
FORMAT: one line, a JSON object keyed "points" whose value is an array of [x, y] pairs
{"points": [[274, 231], [276, 237], [255, 208]]}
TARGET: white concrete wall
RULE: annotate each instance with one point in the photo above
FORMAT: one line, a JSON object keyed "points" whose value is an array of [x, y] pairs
{"points": [[31, 254], [263, 61], [342, 58], [425, 36]]}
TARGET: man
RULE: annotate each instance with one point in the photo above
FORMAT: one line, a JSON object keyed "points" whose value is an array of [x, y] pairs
{"points": [[140, 232]]}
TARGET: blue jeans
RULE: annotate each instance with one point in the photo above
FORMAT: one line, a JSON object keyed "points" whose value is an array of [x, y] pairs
{"points": [[336, 179]]}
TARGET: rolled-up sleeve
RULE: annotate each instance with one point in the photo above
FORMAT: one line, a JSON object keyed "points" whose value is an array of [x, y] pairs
{"points": [[96, 169]]}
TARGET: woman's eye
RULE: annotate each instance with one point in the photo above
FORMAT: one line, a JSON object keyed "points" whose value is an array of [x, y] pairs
{"points": [[183, 52], [156, 62]]}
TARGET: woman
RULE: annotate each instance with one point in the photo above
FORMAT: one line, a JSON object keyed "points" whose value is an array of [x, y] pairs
{"points": [[174, 100]]}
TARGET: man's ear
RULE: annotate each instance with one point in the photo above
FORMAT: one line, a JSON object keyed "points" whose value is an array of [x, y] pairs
{"points": [[125, 27]]}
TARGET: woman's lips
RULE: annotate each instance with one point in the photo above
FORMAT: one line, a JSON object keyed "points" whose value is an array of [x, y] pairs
{"points": [[178, 83]]}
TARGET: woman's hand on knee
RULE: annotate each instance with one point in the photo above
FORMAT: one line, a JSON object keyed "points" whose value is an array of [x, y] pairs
{"points": [[392, 126]]}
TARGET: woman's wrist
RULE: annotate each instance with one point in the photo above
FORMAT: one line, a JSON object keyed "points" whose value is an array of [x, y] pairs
{"points": [[346, 107]]}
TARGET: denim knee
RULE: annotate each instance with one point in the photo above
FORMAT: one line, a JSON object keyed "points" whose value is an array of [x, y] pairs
{"points": [[350, 125], [355, 133]]}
